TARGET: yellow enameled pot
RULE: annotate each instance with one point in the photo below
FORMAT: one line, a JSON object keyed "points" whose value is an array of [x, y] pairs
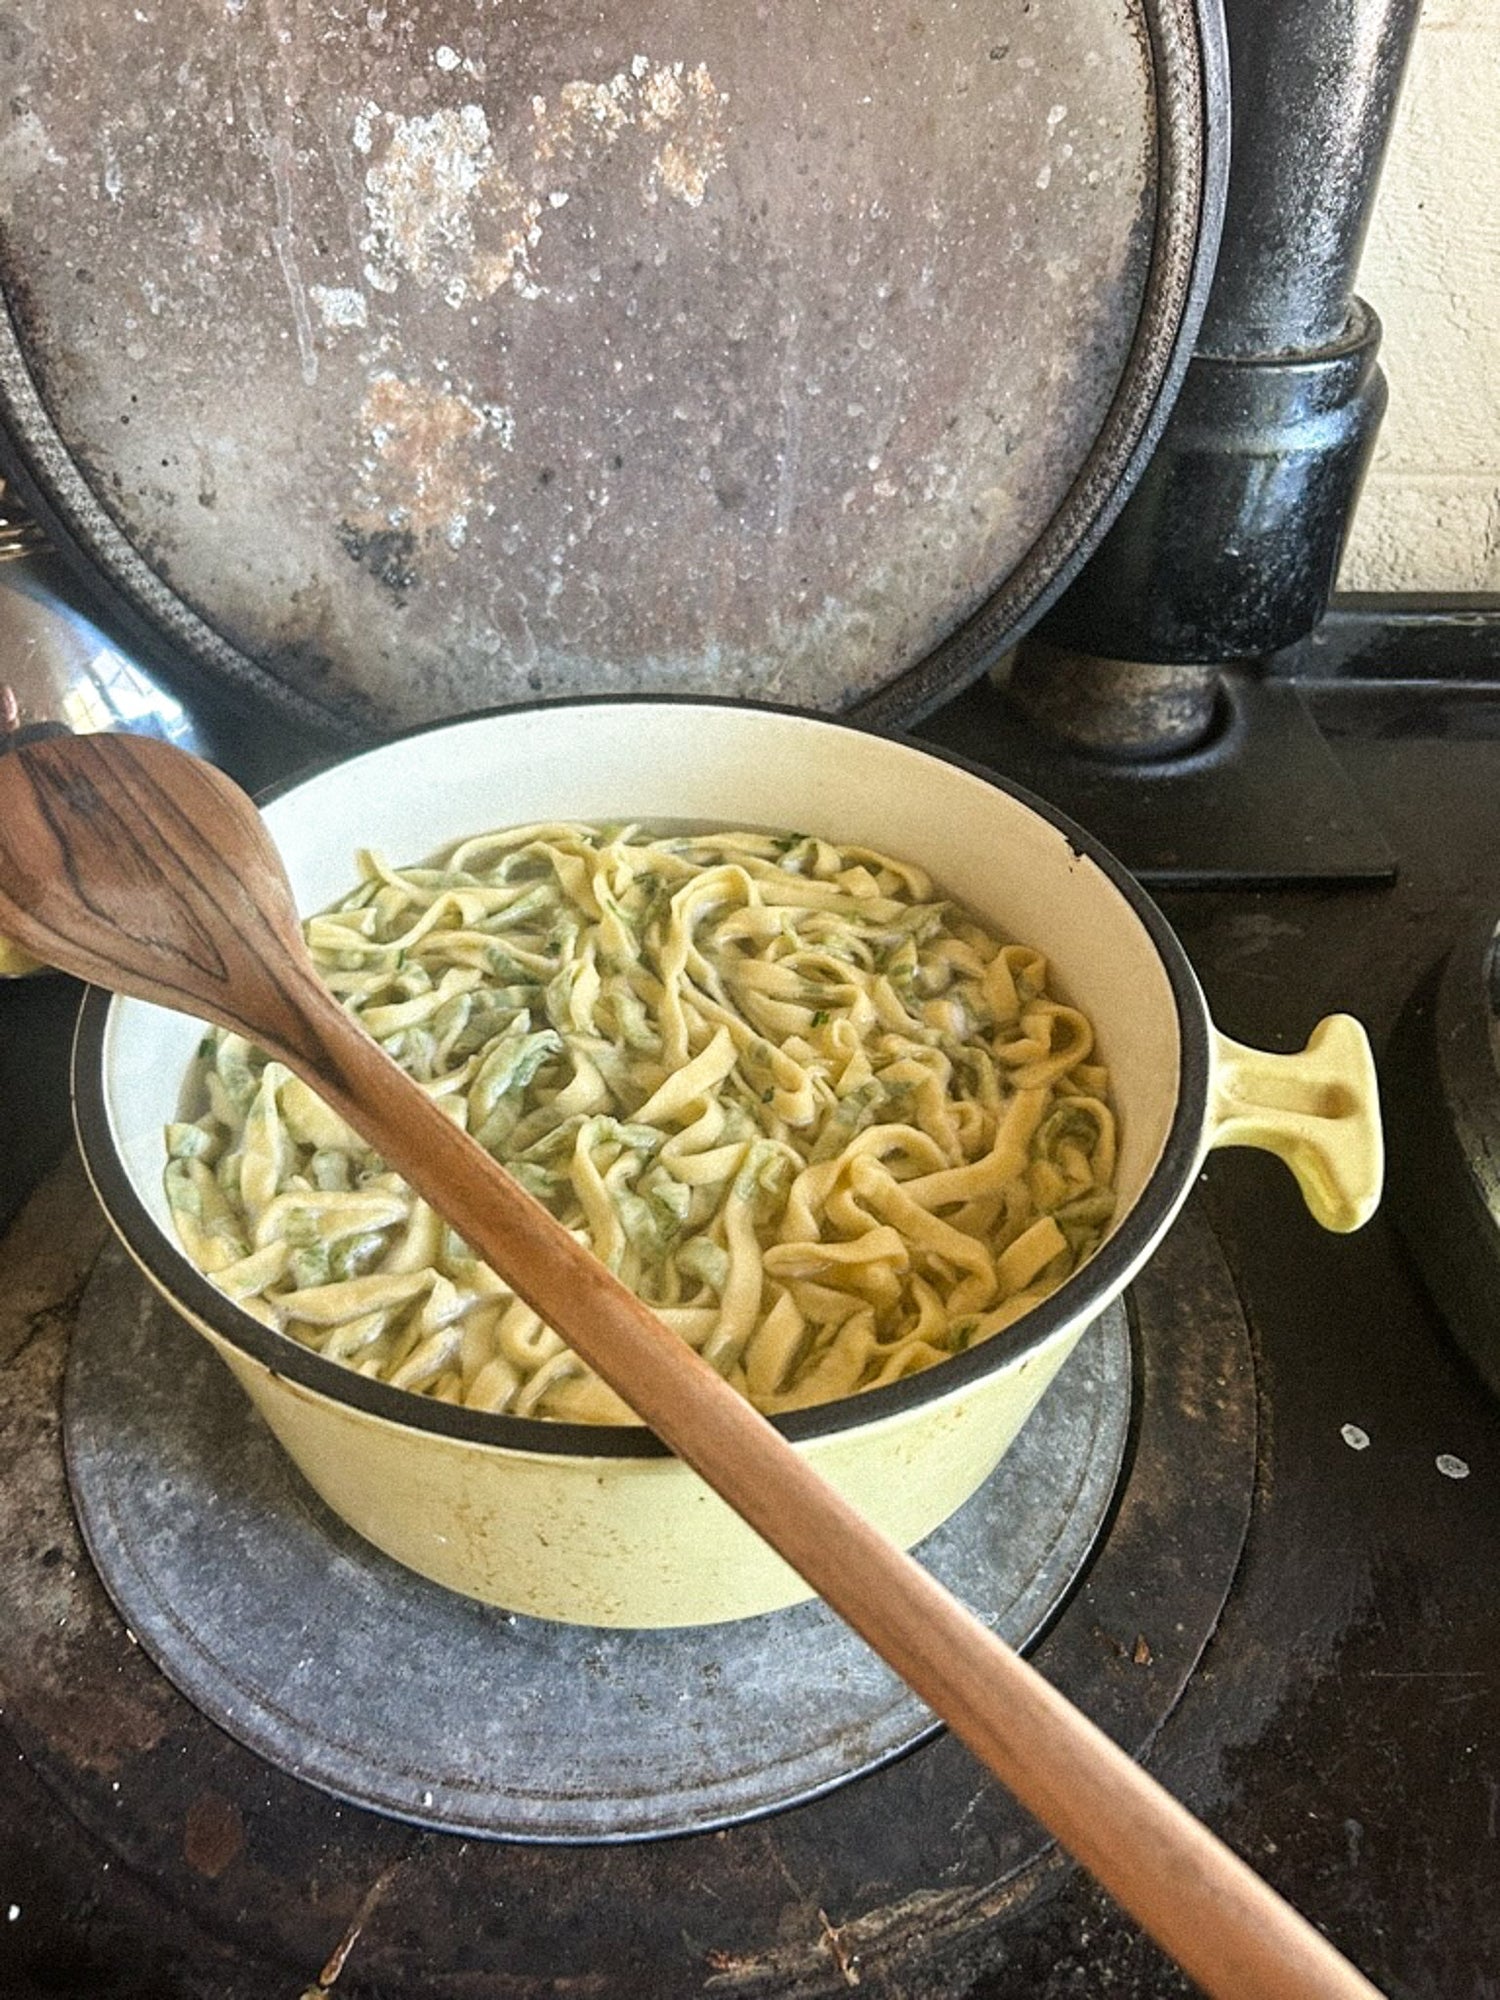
{"points": [[598, 1525]]}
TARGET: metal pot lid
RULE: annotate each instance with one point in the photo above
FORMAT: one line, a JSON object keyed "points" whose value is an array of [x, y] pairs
{"points": [[388, 364]]}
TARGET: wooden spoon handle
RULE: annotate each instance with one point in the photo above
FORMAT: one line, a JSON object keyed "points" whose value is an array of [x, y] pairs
{"points": [[1221, 1922]]}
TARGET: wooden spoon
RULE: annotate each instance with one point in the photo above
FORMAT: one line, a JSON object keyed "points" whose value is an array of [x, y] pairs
{"points": [[135, 866]]}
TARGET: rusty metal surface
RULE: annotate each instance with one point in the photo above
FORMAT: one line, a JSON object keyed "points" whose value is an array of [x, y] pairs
{"points": [[149, 1853], [399, 362], [348, 1671]]}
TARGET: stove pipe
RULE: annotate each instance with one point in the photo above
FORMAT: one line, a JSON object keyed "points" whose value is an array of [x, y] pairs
{"points": [[1228, 547]]}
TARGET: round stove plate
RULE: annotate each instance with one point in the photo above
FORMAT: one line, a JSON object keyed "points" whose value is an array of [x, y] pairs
{"points": [[361, 1678]]}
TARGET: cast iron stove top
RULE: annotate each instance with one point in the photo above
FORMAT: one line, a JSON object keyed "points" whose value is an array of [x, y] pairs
{"points": [[1291, 1613]]}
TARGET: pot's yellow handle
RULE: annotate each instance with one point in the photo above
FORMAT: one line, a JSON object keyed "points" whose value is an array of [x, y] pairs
{"points": [[1319, 1111]]}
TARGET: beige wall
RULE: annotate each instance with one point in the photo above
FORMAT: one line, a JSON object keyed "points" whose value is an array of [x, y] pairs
{"points": [[1429, 518]]}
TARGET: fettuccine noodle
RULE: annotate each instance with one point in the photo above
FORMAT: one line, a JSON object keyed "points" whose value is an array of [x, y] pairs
{"points": [[828, 1127]]}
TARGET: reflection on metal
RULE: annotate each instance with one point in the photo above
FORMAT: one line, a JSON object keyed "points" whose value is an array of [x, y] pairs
{"points": [[19, 534], [60, 668], [1131, 709]]}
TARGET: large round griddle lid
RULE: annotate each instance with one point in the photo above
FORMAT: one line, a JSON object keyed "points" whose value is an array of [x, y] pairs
{"points": [[387, 363]]}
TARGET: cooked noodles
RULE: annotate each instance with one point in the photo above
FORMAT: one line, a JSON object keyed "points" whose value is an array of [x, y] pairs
{"points": [[826, 1125]]}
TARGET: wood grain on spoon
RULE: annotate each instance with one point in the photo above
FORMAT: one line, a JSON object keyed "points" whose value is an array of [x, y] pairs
{"points": [[139, 868]]}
